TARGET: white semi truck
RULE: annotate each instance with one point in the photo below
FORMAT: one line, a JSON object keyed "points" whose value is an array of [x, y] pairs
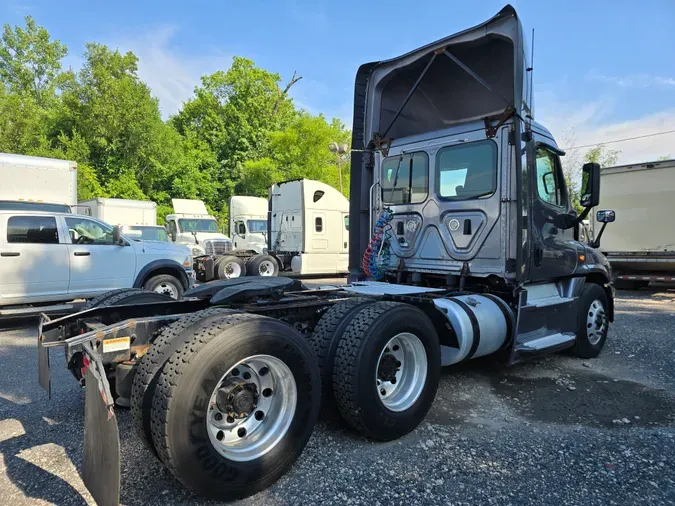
{"points": [[641, 244], [33, 182], [248, 223], [309, 227]]}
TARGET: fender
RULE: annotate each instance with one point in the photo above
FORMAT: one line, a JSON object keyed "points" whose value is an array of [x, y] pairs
{"points": [[165, 264]]}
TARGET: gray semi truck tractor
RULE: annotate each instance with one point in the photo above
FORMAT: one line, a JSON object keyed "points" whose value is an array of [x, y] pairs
{"points": [[462, 245]]}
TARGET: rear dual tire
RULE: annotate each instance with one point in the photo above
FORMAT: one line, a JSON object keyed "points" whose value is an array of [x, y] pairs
{"points": [[182, 416], [230, 267]]}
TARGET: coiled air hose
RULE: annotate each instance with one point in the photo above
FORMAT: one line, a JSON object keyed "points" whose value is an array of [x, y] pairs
{"points": [[377, 254]]}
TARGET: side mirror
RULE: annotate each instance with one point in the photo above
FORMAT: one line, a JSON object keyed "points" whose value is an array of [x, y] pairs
{"points": [[590, 185], [116, 235], [173, 235], [605, 216]]}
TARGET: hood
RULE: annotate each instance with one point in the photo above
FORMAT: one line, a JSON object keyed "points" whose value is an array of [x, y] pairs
{"points": [[202, 236], [167, 247]]}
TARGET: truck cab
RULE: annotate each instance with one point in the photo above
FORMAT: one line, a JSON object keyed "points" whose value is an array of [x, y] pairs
{"points": [[248, 223], [192, 225]]}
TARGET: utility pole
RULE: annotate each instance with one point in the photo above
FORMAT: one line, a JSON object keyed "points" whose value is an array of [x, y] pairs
{"points": [[340, 150]]}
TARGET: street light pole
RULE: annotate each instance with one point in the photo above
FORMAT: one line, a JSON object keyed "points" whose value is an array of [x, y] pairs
{"points": [[339, 150]]}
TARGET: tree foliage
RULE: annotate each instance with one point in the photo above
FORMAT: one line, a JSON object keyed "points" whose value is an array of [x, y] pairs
{"points": [[239, 132]]}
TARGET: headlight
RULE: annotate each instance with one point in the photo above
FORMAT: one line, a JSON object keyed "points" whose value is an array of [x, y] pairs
{"points": [[187, 263], [196, 252]]}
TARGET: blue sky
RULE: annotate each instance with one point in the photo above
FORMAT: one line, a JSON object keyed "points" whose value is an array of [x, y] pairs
{"points": [[603, 69]]}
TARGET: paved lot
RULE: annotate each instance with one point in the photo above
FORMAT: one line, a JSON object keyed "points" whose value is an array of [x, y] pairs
{"points": [[557, 431]]}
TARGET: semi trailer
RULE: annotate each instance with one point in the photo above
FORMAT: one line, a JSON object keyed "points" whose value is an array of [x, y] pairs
{"points": [[461, 246], [641, 247]]}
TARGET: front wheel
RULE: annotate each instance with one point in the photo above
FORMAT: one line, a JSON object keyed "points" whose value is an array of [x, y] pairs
{"points": [[165, 284], [593, 323], [386, 370], [234, 407]]}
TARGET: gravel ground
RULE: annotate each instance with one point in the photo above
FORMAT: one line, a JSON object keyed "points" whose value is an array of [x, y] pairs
{"points": [[555, 431]]}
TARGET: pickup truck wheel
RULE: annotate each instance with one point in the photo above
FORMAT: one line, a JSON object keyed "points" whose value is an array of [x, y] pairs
{"points": [[386, 370], [593, 322], [231, 414], [230, 267], [325, 339], [262, 265], [147, 371], [166, 284]]}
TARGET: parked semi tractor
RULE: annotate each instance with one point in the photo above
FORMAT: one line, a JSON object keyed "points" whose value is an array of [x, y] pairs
{"points": [[461, 245], [309, 227], [36, 183], [641, 245], [248, 223]]}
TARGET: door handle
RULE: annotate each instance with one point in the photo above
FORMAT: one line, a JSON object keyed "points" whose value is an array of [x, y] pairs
{"points": [[10, 254], [538, 256], [82, 253]]}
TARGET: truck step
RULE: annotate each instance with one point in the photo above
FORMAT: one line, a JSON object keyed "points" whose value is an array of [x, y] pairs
{"points": [[548, 343]]}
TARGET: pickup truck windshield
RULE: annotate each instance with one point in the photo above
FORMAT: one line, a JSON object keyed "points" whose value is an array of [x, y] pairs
{"points": [[259, 226], [147, 233], [197, 225]]}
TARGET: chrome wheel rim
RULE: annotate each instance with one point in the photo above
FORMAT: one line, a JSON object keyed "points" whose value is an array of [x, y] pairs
{"points": [[596, 322], [232, 270], [401, 372], [166, 288], [266, 268], [264, 387]]}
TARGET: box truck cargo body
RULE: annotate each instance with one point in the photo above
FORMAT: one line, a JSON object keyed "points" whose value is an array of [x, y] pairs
{"points": [[39, 180], [640, 244], [121, 211]]}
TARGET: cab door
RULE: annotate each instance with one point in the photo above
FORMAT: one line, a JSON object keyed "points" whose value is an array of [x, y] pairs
{"points": [[34, 263], [554, 250], [96, 263], [343, 257]]}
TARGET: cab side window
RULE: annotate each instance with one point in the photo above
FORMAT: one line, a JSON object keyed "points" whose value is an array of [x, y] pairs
{"points": [[84, 231], [32, 230], [241, 228], [549, 183]]}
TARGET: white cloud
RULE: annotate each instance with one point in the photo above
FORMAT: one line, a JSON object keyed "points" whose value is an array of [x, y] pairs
{"points": [[583, 123], [171, 75], [634, 80]]}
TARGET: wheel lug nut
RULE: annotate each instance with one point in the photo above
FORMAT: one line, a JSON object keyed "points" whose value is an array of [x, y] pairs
{"points": [[241, 432], [220, 435], [263, 371], [235, 372], [386, 350], [218, 416], [393, 381], [230, 419], [398, 363], [247, 375], [267, 392], [396, 347], [383, 391], [259, 415]]}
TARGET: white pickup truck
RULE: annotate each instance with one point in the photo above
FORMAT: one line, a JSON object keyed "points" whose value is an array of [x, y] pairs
{"points": [[50, 257]]}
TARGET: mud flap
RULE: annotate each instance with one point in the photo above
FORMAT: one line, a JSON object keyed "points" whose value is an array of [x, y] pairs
{"points": [[44, 375], [101, 462]]}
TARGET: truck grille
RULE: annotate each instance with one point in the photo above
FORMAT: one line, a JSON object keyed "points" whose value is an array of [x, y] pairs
{"points": [[217, 246]]}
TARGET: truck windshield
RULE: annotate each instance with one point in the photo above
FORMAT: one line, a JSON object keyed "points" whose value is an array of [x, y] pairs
{"points": [[405, 179], [467, 171], [259, 226], [146, 233], [197, 225]]}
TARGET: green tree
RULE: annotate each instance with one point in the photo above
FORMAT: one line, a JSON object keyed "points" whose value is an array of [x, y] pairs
{"points": [[298, 151], [30, 62], [600, 154]]}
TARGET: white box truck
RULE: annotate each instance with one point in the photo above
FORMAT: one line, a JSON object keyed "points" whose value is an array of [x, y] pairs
{"points": [[640, 245], [121, 211], [33, 182], [309, 227]]}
